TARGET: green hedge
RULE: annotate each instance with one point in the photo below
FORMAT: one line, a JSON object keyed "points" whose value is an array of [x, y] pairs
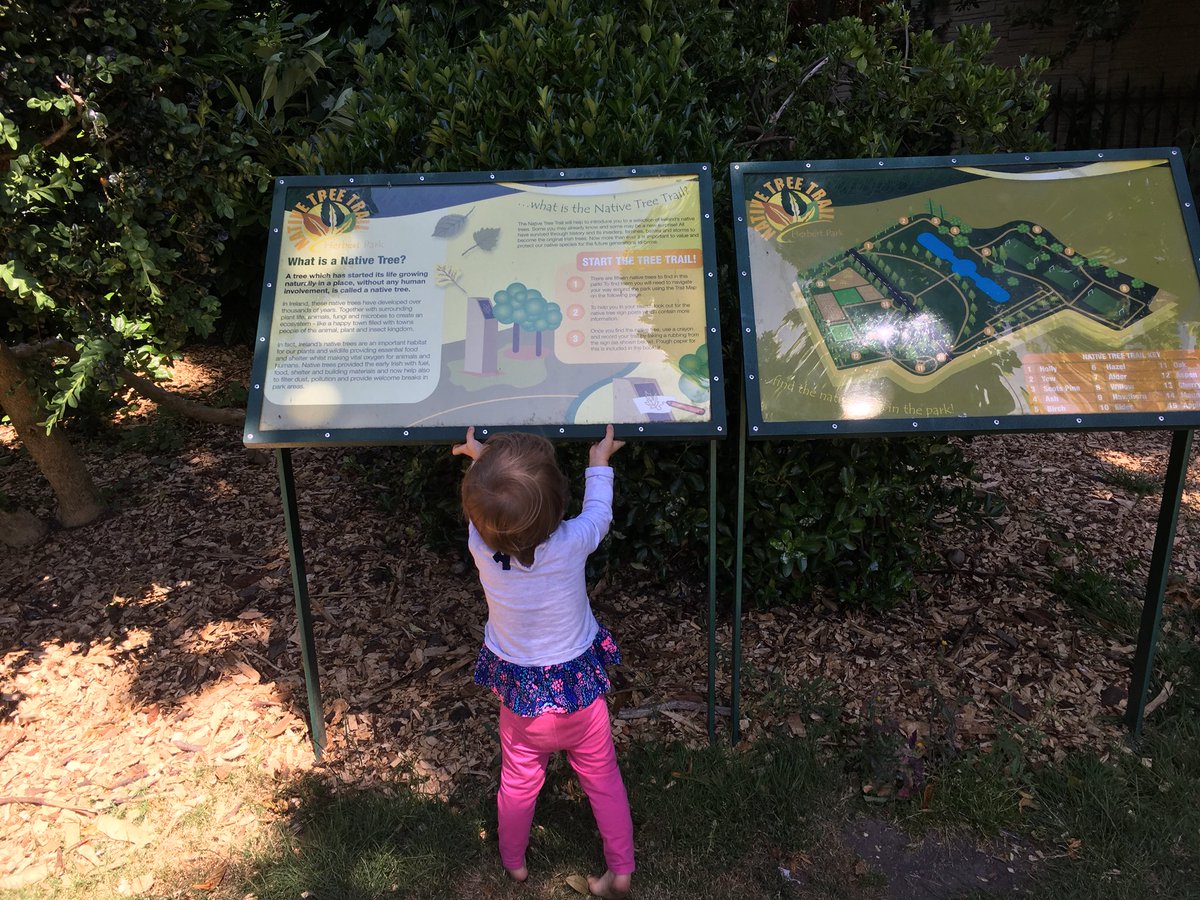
{"points": [[572, 84]]}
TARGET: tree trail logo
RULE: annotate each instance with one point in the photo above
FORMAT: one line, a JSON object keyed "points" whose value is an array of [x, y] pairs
{"points": [[785, 204], [326, 213]]}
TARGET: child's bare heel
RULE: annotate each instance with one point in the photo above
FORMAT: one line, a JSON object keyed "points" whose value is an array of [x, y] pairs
{"points": [[609, 885], [518, 874]]}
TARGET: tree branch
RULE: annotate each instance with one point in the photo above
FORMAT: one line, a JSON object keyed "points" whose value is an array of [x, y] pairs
{"points": [[61, 132], [641, 712], [189, 409], [38, 801], [48, 347]]}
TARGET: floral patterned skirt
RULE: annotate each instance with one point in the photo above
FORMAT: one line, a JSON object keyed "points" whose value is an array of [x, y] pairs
{"points": [[561, 688]]}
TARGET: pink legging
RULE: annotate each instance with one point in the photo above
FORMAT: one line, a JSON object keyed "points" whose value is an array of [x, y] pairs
{"points": [[527, 744]]}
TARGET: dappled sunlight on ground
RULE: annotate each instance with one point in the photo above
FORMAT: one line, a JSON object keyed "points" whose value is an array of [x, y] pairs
{"points": [[1149, 465], [149, 665]]}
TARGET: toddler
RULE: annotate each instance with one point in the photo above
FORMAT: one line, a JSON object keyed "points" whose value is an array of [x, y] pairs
{"points": [[543, 652]]}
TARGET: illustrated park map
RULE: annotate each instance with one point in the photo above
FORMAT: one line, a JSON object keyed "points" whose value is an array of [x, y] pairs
{"points": [[961, 292]]}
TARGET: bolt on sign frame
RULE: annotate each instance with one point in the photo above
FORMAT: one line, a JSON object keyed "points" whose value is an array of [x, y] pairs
{"points": [[968, 295], [401, 309]]}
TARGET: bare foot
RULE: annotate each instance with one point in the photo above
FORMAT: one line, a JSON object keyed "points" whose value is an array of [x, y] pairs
{"points": [[609, 885], [518, 874]]}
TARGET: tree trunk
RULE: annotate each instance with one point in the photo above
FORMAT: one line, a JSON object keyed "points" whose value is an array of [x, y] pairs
{"points": [[78, 500]]}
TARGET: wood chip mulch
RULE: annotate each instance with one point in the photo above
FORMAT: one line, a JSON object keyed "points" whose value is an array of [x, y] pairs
{"points": [[154, 654]]}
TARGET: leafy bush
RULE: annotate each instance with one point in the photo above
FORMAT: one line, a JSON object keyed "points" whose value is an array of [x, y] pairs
{"points": [[119, 183], [565, 83], [847, 517]]}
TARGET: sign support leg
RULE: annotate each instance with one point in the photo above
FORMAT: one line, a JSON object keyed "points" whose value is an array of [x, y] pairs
{"points": [[1156, 585], [735, 698], [712, 591], [308, 649]]}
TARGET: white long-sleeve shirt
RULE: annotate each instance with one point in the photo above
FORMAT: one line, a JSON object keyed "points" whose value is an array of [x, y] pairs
{"points": [[540, 615]]}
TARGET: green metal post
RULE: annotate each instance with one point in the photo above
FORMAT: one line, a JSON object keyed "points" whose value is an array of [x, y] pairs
{"points": [[712, 591], [1156, 584], [735, 695], [308, 649]]}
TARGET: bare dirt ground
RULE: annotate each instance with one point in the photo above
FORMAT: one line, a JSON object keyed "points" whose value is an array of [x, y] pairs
{"points": [[150, 685]]}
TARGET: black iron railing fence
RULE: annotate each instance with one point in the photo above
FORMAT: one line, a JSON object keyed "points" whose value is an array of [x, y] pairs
{"points": [[1121, 115]]}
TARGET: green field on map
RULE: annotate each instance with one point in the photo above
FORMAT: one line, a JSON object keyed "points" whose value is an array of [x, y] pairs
{"points": [[970, 291]]}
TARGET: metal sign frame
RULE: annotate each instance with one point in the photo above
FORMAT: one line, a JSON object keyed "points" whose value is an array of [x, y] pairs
{"points": [[744, 174], [260, 434]]}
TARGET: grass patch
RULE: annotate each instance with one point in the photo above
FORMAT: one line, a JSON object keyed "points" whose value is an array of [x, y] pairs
{"points": [[369, 845], [1107, 601], [1124, 828], [1123, 825], [977, 791], [1134, 482], [709, 824]]}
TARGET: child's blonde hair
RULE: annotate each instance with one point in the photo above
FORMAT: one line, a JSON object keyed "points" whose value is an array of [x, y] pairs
{"points": [[515, 494]]}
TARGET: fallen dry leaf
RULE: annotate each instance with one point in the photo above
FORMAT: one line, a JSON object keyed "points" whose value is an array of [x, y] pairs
{"points": [[131, 887], [123, 830], [30, 875]]}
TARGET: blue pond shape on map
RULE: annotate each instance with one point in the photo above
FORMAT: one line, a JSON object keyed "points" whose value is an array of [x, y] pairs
{"points": [[963, 267]]}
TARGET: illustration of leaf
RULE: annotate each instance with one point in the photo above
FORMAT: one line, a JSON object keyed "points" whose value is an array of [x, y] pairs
{"points": [[485, 239], [776, 214], [450, 225], [446, 276]]}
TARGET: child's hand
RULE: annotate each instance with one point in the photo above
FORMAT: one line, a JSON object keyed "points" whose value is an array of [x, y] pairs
{"points": [[600, 452], [470, 447]]}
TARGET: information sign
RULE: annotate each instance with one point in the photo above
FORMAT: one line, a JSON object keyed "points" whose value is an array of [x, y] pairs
{"points": [[1012, 292], [405, 308]]}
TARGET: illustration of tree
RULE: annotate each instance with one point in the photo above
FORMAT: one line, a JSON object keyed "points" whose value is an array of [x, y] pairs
{"points": [[526, 310], [1023, 228], [1137, 283], [1057, 247], [1013, 281], [1111, 272]]}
